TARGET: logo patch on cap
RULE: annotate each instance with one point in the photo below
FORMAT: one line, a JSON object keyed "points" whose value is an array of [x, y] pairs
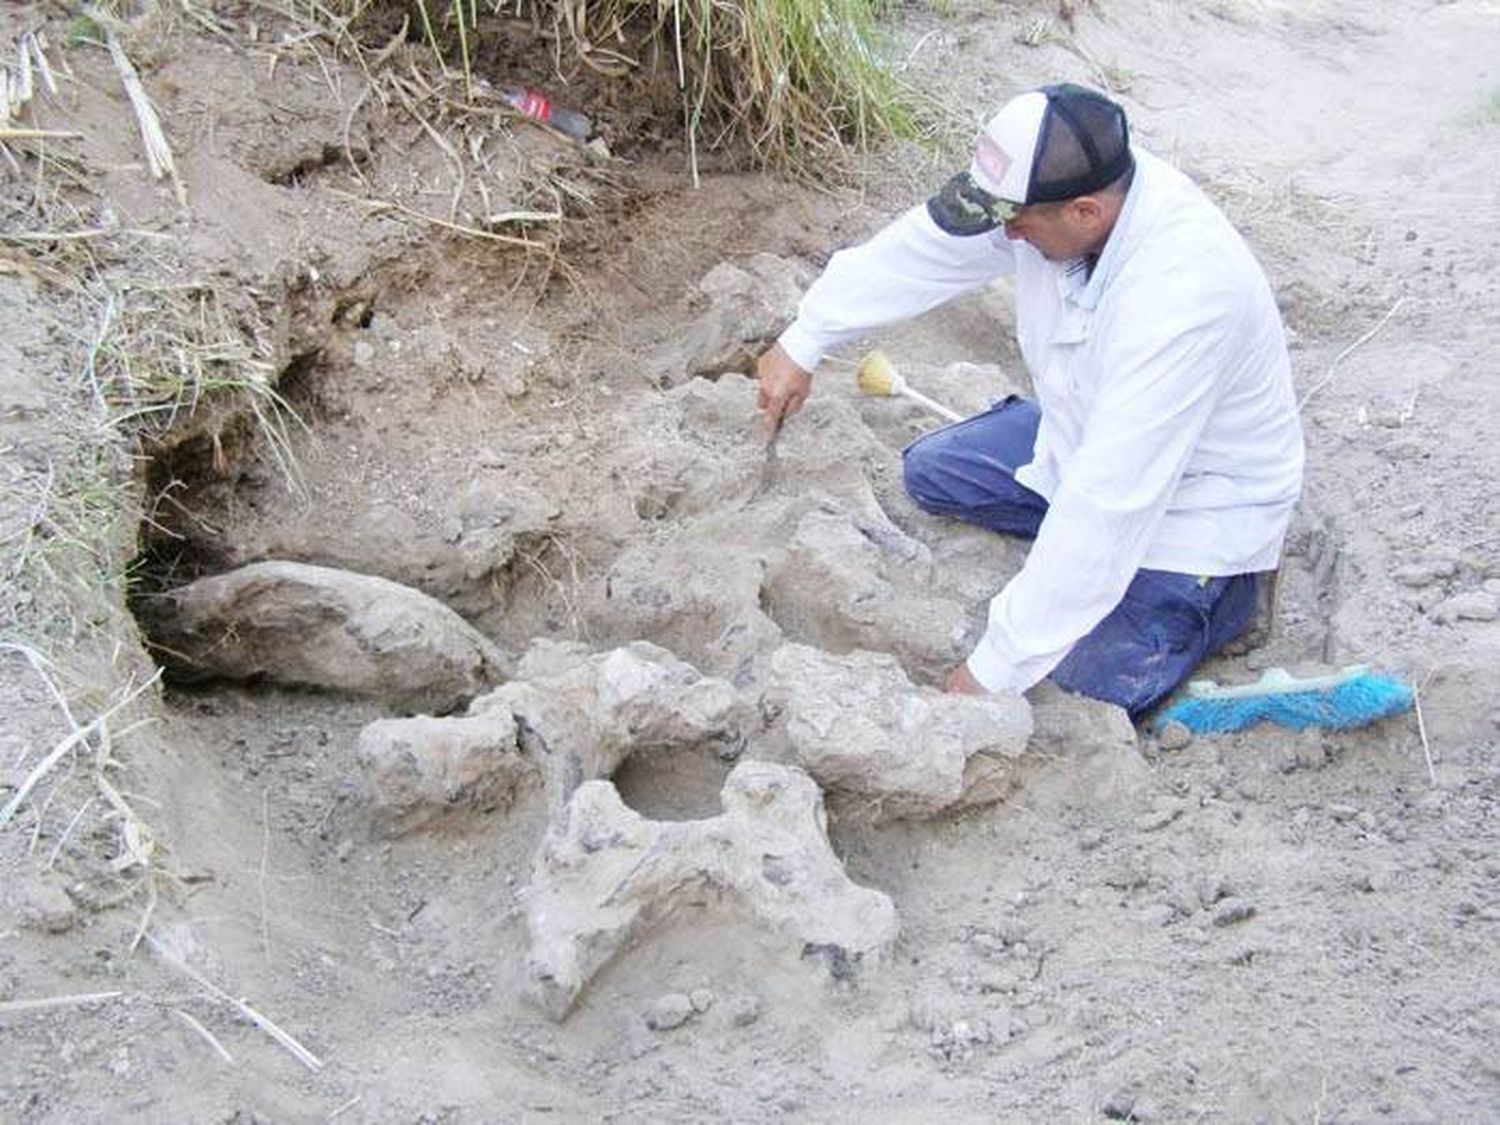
{"points": [[964, 208], [991, 159]]}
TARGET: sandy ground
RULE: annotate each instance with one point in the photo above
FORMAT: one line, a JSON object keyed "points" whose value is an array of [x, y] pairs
{"points": [[1260, 927]]}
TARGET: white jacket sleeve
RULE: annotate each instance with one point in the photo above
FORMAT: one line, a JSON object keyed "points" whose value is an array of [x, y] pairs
{"points": [[908, 267], [1161, 378]]}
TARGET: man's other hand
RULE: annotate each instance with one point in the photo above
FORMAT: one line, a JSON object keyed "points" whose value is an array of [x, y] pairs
{"points": [[784, 387], [961, 681]]}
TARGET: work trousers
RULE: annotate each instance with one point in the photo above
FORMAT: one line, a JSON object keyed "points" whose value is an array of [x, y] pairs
{"points": [[1166, 623]]}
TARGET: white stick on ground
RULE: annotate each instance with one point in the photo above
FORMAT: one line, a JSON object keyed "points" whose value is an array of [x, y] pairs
{"points": [[62, 841], [8, 1007], [44, 68], [301, 1053], [206, 1035], [158, 151], [1343, 355], [79, 735], [25, 87], [1416, 699]]}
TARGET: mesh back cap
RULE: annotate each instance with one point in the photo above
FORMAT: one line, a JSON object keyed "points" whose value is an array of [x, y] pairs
{"points": [[1057, 142]]}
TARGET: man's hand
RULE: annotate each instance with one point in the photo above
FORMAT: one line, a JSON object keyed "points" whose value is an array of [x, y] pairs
{"points": [[961, 681], [784, 387]]}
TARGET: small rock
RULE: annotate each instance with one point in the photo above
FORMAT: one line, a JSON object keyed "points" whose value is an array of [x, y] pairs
{"points": [[702, 999], [1233, 910], [1157, 914], [1175, 736], [1414, 575], [1404, 449], [1163, 814], [1243, 956], [672, 1010], [729, 748], [1475, 605], [512, 384], [1119, 1106], [48, 908], [744, 1009], [344, 850], [1284, 759], [1212, 889], [1310, 752], [970, 1032], [1342, 813], [1412, 511]]}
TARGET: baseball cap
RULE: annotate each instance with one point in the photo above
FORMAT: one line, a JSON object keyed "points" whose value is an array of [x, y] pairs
{"points": [[1053, 143]]}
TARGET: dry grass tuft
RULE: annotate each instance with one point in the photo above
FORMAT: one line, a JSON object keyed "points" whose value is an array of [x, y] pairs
{"points": [[163, 353], [799, 82]]}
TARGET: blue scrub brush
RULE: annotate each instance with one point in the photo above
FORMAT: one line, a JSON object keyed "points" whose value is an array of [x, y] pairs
{"points": [[1349, 698]]}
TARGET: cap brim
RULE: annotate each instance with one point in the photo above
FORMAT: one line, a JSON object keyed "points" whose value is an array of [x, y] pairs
{"points": [[964, 208]]}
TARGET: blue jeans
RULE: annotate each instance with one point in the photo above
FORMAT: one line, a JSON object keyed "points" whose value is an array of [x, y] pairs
{"points": [[1166, 623]]}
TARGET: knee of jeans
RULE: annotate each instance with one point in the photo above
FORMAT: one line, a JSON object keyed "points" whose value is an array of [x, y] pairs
{"points": [[918, 473]]}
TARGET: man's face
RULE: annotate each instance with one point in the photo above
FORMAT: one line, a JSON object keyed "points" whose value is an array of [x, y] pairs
{"points": [[1060, 232]]}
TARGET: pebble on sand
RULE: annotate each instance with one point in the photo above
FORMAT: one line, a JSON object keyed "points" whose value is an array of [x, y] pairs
{"points": [[1233, 910], [1475, 605], [1175, 736], [672, 1010], [745, 1009]]}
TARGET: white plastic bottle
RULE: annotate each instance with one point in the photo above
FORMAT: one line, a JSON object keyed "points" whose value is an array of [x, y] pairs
{"points": [[537, 106]]}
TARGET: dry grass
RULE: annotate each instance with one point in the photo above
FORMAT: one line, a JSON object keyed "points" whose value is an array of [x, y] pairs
{"points": [[165, 353], [800, 82], [118, 360]]}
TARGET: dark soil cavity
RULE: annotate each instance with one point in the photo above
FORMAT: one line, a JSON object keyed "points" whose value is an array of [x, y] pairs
{"points": [[673, 783]]}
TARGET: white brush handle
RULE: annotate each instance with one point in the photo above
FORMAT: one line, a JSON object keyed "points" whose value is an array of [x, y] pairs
{"points": [[1276, 681], [900, 386]]}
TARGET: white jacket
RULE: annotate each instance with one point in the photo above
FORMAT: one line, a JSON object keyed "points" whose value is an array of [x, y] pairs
{"points": [[1169, 436]]}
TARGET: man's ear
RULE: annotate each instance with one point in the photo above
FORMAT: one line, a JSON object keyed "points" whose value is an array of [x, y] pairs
{"points": [[1088, 209]]}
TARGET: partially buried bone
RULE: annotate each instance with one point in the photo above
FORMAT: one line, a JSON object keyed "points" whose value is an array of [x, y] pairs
{"points": [[581, 715], [571, 716], [421, 769], [606, 875], [858, 725]]}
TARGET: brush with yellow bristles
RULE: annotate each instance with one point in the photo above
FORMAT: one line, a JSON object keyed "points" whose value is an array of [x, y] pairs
{"points": [[878, 376]]}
